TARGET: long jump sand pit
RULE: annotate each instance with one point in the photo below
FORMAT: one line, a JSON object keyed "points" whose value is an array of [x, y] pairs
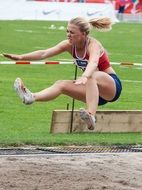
{"points": [[87, 171]]}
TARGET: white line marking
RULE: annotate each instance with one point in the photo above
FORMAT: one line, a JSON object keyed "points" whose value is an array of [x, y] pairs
{"points": [[136, 81]]}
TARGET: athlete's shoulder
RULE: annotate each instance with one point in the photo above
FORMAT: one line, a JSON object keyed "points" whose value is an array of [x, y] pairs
{"points": [[94, 41], [64, 44], [94, 45]]}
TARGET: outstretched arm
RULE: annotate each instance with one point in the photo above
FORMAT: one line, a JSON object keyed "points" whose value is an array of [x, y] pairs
{"points": [[40, 54]]}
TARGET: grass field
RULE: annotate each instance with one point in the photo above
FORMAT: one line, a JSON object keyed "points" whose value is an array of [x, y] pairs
{"points": [[20, 124]]}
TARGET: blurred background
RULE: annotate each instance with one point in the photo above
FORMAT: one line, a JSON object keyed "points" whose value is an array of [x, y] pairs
{"points": [[118, 10]]}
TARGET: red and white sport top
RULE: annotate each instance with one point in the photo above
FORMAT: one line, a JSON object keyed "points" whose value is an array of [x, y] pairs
{"points": [[103, 62]]}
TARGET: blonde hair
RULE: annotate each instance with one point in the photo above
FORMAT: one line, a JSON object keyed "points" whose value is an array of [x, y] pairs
{"points": [[101, 24]]}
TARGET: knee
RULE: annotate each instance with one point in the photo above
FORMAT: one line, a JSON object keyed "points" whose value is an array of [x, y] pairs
{"points": [[97, 77], [62, 85], [92, 80]]}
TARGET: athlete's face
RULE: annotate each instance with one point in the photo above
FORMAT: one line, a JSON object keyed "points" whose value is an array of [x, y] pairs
{"points": [[74, 35]]}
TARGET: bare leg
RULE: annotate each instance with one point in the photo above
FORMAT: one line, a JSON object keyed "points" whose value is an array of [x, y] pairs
{"points": [[106, 85], [100, 84], [66, 87], [92, 95]]}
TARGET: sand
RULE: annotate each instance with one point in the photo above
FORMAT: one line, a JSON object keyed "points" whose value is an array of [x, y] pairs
{"points": [[121, 171]]}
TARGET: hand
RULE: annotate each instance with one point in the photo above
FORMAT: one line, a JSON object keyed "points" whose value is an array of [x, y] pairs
{"points": [[12, 56], [81, 80]]}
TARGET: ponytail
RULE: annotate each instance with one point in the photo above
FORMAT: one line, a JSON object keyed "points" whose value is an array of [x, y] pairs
{"points": [[101, 24]]}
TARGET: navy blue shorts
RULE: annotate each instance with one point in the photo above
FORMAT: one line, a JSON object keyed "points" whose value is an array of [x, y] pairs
{"points": [[118, 90]]}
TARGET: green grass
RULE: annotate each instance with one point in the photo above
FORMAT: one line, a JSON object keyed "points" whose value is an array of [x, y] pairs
{"points": [[123, 42], [20, 124]]}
